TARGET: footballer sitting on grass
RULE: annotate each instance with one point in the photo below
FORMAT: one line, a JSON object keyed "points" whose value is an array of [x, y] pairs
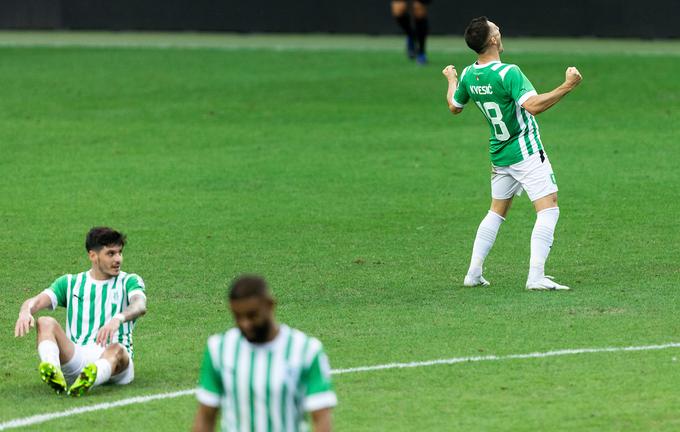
{"points": [[102, 306]]}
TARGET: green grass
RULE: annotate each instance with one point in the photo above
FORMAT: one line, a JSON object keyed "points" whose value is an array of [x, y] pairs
{"points": [[338, 173]]}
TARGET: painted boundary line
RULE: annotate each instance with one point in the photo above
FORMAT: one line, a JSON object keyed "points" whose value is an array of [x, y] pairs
{"points": [[41, 418], [556, 353], [319, 42], [206, 46]]}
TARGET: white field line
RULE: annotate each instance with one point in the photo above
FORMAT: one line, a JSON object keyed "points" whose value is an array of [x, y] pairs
{"points": [[41, 418], [563, 352], [316, 43], [200, 46], [309, 47]]}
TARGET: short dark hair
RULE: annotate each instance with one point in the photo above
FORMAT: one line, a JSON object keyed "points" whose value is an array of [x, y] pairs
{"points": [[247, 286], [477, 34], [98, 237]]}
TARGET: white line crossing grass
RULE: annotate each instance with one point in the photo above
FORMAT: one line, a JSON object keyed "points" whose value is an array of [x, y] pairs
{"points": [[41, 418], [325, 42]]}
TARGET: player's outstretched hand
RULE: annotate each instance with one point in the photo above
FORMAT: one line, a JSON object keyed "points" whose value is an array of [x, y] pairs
{"points": [[450, 73], [106, 334], [24, 324], [573, 76]]}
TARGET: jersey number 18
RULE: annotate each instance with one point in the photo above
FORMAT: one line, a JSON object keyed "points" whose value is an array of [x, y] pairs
{"points": [[499, 128]]}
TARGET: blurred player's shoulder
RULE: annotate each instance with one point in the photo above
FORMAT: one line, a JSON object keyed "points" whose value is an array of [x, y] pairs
{"points": [[309, 346]]}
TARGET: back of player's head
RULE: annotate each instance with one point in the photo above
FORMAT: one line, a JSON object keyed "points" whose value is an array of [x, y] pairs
{"points": [[99, 237], [477, 34], [248, 286]]}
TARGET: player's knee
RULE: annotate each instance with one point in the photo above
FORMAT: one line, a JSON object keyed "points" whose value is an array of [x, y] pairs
{"points": [[500, 211], [501, 208], [46, 324], [118, 351]]}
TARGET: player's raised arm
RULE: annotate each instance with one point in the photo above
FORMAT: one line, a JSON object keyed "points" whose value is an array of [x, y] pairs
{"points": [[28, 308], [541, 102], [452, 77]]}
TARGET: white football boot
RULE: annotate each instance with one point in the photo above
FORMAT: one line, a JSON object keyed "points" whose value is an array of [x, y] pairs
{"points": [[471, 281], [546, 284]]}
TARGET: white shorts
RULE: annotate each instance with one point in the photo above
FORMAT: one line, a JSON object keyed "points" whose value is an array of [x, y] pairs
{"points": [[86, 354], [532, 175]]}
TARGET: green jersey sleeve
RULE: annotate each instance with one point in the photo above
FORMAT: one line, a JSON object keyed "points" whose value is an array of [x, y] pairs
{"points": [[461, 95], [210, 387], [518, 85], [59, 289], [134, 284], [319, 392]]}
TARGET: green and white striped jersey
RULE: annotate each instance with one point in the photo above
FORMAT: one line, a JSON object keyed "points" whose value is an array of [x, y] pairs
{"points": [[265, 387], [499, 90], [91, 303]]}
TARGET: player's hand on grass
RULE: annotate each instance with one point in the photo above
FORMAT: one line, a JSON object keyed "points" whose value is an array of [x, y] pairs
{"points": [[450, 73], [573, 76], [106, 334], [24, 324]]}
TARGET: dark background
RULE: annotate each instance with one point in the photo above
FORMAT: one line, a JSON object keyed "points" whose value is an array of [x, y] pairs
{"points": [[607, 18]]}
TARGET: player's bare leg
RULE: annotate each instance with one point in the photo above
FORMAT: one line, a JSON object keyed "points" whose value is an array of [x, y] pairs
{"points": [[501, 206], [117, 357], [403, 18], [113, 361], [484, 240], [54, 349], [547, 214], [548, 201]]}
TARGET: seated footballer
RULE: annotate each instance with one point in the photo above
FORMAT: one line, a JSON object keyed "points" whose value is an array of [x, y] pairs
{"points": [[102, 305]]}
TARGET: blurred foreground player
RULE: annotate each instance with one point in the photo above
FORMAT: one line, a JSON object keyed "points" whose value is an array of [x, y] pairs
{"points": [[416, 35], [102, 306], [261, 375], [509, 103]]}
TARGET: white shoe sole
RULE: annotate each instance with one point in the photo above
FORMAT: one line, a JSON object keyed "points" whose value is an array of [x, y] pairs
{"points": [[469, 282], [549, 285]]}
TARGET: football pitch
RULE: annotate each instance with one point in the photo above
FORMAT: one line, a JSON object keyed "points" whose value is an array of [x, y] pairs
{"points": [[332, 166]]}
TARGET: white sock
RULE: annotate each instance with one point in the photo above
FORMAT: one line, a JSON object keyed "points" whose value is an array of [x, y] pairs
{"points": [[486, 236], [103, 371], [49, 352], [541, 241]]}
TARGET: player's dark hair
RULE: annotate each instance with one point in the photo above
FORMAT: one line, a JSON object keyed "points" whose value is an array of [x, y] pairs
{"points": [[98, 237], [477, 34], [247, 286]]}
